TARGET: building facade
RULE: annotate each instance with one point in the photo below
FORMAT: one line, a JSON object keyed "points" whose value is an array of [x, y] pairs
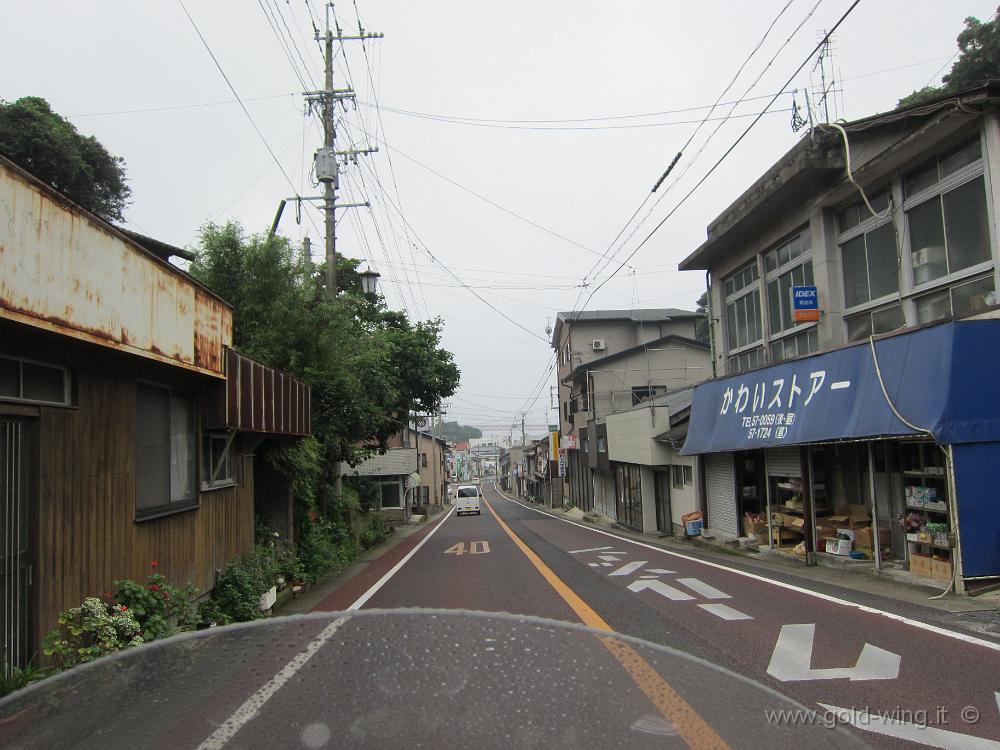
{"points": [[890, 223]]}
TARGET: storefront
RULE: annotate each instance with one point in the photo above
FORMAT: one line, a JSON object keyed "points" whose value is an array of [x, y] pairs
{"points": [[882, 450]]}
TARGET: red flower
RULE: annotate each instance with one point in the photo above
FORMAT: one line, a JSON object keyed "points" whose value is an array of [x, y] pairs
{"points": [[123, 608], [153, 587], [155, 563]]}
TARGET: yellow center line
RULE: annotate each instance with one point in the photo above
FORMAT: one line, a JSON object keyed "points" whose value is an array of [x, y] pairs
{"points": [[698, 734]]}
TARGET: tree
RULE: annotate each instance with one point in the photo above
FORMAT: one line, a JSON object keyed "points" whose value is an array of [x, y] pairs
{"points": [[49, 146], [979, 61], [368, 366], [701, 325], [455, 432]]}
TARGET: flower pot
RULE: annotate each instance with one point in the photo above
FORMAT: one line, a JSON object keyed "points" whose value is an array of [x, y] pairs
{"points": [[268, 598]]}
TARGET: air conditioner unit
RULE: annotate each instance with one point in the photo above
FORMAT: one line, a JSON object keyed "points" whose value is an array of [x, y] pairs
{"points": [[600, 345]]}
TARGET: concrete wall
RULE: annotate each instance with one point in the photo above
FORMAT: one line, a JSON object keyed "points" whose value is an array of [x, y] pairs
{"points": [[674, 366]]}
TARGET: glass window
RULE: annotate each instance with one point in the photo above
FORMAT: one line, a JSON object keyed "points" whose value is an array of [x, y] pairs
{"points": [[390, 497], [967, 233], [31, 381], [799, 345], [688, 475], [927, 241], [883, 320], [859, 327], [10, 378], [960, 156], [216, 460], [166, 457], [933, 307], [921, 178], [870, 265], [677, 477], [779, 296], [745, 361]]}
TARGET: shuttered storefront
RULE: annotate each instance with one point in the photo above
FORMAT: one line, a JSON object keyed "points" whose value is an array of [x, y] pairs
{"points": [[720, 484], [783, 462]]}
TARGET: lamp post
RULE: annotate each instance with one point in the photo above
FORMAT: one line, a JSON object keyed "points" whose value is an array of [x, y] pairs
{"points": [[369, 281]]}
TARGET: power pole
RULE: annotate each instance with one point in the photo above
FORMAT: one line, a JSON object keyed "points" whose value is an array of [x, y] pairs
{"points": [[523, 440], [326, 160]]}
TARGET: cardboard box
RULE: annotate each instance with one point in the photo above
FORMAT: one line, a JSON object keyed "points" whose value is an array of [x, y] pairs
{"points": [[857, 515], [835, 546], [865, 538], [780, 535], [940, 568], [791, 522], [921, 565]]}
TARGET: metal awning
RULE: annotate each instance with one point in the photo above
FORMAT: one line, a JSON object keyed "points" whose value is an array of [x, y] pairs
{"points": [[258, 398], [939, 378]]}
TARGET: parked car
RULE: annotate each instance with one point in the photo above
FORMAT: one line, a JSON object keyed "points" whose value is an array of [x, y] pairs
{"points": [[468, 500]]}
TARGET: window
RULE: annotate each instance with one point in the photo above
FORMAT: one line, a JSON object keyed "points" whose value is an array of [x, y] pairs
{"points": [[868, 251], [798, 345], [217, 460], [468, 492], [688, 475], [25, 380], [957, 301], [645, 391], [677, 477], [390, 495], [165, 451], [423, 460], [743, 317], [883, 320], [566, 353], [949, 230], [746, 361]]}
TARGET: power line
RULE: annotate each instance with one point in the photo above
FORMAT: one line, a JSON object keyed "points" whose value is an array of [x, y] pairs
{"points": [[724, 155]]}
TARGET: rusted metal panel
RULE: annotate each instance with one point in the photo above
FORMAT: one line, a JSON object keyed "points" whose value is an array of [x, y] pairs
{"points": [[258, 398], [69, 272]]}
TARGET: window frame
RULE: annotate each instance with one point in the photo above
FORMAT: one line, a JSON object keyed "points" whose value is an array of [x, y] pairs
{"points": [[172, 506], [209, 484], [862, 229], [688, 474], [400, 494], [676, 477], [742, 296], [20, 399]]}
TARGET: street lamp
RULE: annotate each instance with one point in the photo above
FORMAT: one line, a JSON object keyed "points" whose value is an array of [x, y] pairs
{"points": [[369, 281]]}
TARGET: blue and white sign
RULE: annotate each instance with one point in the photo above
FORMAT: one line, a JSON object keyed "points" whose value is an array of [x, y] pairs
{"points": [[805, 304]]}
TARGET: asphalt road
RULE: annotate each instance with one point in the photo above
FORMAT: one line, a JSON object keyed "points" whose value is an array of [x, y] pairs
{"points": [[891, 677], [402, 655]]}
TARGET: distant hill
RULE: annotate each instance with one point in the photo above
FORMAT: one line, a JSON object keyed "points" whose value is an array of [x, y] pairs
{"points": [[455, 432]]}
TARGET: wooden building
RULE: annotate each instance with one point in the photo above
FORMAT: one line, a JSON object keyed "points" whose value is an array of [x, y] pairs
{"points": [[127, 421]]}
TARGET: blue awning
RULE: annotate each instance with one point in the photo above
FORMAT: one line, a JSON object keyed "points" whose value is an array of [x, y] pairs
{"points": [[941, 379]]}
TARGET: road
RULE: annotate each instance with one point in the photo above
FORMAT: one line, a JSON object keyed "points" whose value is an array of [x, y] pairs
{"points": [[739, 660], [889, 675]]}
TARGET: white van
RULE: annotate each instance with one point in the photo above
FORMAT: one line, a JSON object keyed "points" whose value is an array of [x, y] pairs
{"points": [[468, 500]]}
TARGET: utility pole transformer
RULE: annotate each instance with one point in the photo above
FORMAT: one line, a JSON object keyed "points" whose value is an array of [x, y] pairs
{"points": [[325, 160]]}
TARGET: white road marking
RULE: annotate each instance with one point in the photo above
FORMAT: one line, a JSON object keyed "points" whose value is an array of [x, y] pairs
{"points": [[725, 612], [840, 384], [922, 735], [662, 589], [997, 696], [610, 558], [592, 549], [593, 565], [660, 571], [628, 568], [700, 587], [607, 565], [965, 637], [252, 705], [649, 577], [793, 655], [395, 568]]}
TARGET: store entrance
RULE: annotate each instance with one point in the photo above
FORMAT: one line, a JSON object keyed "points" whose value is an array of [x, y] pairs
{"points": [[751, 489]]}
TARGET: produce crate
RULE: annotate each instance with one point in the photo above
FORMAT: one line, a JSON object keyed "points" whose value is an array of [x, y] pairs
{"points": [[940, 569], [921, 565]]}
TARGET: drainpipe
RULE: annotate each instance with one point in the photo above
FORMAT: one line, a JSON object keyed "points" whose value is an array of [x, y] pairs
{"points": [[711, 321]]}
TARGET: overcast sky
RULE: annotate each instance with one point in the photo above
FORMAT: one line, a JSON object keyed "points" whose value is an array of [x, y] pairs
{"points": [[489, 139]]}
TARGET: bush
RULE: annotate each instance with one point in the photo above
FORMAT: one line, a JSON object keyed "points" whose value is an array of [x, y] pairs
{"points": [[15, 678], [375, 534], [89, 631], [244, 580], [160, 608], [323, 546]]}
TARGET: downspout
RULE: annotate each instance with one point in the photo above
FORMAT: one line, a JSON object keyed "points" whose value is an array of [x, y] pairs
{"points": [[711, 321]]}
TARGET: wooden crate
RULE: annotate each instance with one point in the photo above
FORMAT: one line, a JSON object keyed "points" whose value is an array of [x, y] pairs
{"points": [[940, 569], [921, 565]]}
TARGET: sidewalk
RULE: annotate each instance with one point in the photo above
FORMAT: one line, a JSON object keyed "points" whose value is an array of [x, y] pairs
{"points": [[341, 589], [979, 615]]}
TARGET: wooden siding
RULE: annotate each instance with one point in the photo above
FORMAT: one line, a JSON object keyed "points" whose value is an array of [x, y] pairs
{"points": [[87, 535]]}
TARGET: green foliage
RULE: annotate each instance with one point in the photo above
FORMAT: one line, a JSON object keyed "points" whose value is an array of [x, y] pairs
{"points": [[367, 492], [160, 608], [90, 631], [49, 146], [367, 365], [978, 61], [455, 432], [244, 580], [324, 547], [375, 533], [15, 678], [701, 325]]}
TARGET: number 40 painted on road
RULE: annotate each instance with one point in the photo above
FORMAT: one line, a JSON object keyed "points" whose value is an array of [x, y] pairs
{"points": [[475, 548]]}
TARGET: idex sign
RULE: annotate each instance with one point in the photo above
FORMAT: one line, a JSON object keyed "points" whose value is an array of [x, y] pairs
{"points": [[805, 304]]}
